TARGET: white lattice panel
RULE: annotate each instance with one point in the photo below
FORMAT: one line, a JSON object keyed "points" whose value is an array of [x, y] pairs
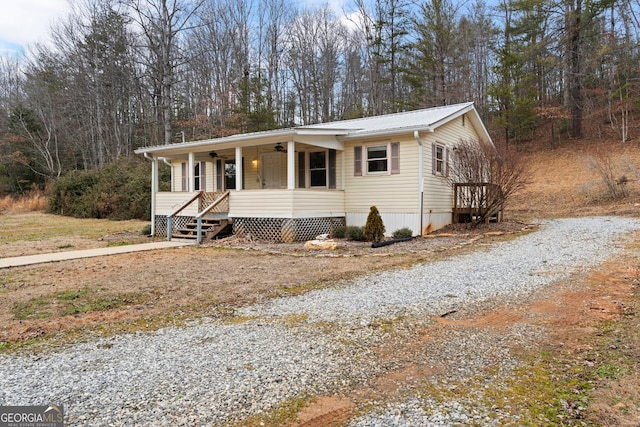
{"points": [[285, 229]]}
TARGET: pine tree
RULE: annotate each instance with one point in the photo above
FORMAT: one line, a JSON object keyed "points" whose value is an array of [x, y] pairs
{"points": [[374, 228]]}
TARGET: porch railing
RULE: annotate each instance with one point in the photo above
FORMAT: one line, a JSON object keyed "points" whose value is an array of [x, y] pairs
{"points": [[217, 202]]}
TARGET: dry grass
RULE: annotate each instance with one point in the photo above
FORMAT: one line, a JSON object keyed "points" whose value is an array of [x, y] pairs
{"points": [[40, 226], [564, 182], [34, 201]]}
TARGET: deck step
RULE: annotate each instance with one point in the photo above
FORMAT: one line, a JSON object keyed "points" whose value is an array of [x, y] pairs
{"points": [[210, 228]]}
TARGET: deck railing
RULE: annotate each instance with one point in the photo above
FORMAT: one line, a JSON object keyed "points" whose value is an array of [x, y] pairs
{"points": [[477, 202]]}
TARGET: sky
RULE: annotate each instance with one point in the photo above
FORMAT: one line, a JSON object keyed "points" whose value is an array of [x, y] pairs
{"points": [[25, 22]]}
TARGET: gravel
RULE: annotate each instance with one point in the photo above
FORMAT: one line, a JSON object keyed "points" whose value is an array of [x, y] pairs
{"points": [[515, 268], [213, 372]]}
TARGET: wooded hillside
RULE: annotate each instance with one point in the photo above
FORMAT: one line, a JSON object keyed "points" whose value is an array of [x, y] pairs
{"points": [[121, 74]]}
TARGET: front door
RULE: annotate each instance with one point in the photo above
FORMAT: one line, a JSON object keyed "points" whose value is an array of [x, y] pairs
{"points": [[271, 170]]}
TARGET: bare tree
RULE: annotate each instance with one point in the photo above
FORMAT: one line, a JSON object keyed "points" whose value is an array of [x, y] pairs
{"points": [[487, 175], [385, 27], [315, 42], [161, 22]]}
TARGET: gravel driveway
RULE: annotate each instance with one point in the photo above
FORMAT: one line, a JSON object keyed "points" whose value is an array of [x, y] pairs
{"points": [[212, 372]]}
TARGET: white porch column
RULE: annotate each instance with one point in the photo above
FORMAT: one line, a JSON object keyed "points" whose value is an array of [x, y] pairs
{"points": [[291, 165], [239, 182], [154, 191], [191, 184]]}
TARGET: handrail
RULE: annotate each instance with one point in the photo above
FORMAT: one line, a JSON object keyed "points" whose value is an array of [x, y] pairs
{"points": [[199, 216], [215, 203], [177, 211], [185, 204]]}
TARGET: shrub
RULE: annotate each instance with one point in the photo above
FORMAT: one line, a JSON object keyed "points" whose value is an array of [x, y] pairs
{"points": [[120, 190], [403, 233], [604, 164], [355, 233], [374, 228], [146, 231], [340, 232]]}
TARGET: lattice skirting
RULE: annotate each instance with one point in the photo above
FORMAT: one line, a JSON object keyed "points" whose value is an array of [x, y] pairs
{"points": [[285, 229], [161, 224]]}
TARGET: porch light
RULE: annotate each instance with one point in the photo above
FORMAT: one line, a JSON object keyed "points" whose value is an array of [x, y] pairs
{"points": [[254, 162]]}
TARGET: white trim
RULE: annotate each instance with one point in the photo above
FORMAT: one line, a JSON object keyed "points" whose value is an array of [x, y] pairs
{"points": [[291, 165], [294, 216], [239, 183], [308, 169], [365, 158], [190, 172]]}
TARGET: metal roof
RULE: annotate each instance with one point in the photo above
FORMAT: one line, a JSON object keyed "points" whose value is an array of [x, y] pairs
{"points": [[418, 120], [397, 121]]}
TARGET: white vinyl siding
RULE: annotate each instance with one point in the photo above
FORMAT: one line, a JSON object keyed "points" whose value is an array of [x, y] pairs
{"points": [[438, 192], [396, 193], [179, 180], [286, 203], [167, 202]]}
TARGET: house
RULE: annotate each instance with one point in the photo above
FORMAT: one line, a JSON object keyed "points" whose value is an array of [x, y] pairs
{"points": [[293, 184]]}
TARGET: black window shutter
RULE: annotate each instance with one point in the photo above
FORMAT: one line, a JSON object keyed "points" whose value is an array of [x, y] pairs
{"points": [[301, 169], [219, 174]]}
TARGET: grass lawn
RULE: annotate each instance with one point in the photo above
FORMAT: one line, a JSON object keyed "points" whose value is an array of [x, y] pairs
{"points": [[39, 226]]}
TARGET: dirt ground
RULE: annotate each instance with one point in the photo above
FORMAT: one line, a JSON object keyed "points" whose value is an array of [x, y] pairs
{"points": [[584, 315], [211, 280], [53, 304]]}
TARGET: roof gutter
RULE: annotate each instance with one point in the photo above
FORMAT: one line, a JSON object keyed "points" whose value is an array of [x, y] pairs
{"points": [[385, 133], [416, 136]]}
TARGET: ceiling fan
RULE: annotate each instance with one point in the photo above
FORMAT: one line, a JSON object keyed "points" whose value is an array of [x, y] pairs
{"points": [[214, 155], [279, 148]]}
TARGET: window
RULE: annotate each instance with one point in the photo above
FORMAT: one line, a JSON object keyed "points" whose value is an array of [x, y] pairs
{"points": [[199, 175], [184, 180], [318, 168], [440, 160], [230, 174], [227, 172], [377, 159]]}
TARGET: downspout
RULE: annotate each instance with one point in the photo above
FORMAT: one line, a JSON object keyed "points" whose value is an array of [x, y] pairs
{"points": [[416, 135], [154, 189]]}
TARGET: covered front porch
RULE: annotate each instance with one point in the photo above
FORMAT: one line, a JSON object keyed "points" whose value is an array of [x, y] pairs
{"points": [[270, 214], [279, 186]]}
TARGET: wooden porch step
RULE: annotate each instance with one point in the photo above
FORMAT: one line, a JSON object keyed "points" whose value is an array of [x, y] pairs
{"points": [[211, 227]]}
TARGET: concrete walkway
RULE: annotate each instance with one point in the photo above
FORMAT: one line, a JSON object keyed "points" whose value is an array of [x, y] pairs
{"points": [[88, 253]]}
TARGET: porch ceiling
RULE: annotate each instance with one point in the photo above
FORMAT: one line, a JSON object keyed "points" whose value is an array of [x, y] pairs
{"points": [[323, 139]]}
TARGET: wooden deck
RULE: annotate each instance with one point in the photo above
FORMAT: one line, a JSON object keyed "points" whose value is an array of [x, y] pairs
{"points": [[477, 202]]}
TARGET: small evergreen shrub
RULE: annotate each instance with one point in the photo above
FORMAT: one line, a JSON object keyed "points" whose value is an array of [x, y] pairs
{"points": [[355, 233], [374, 228], [403, 233], [340, 232], [146, 231]]}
